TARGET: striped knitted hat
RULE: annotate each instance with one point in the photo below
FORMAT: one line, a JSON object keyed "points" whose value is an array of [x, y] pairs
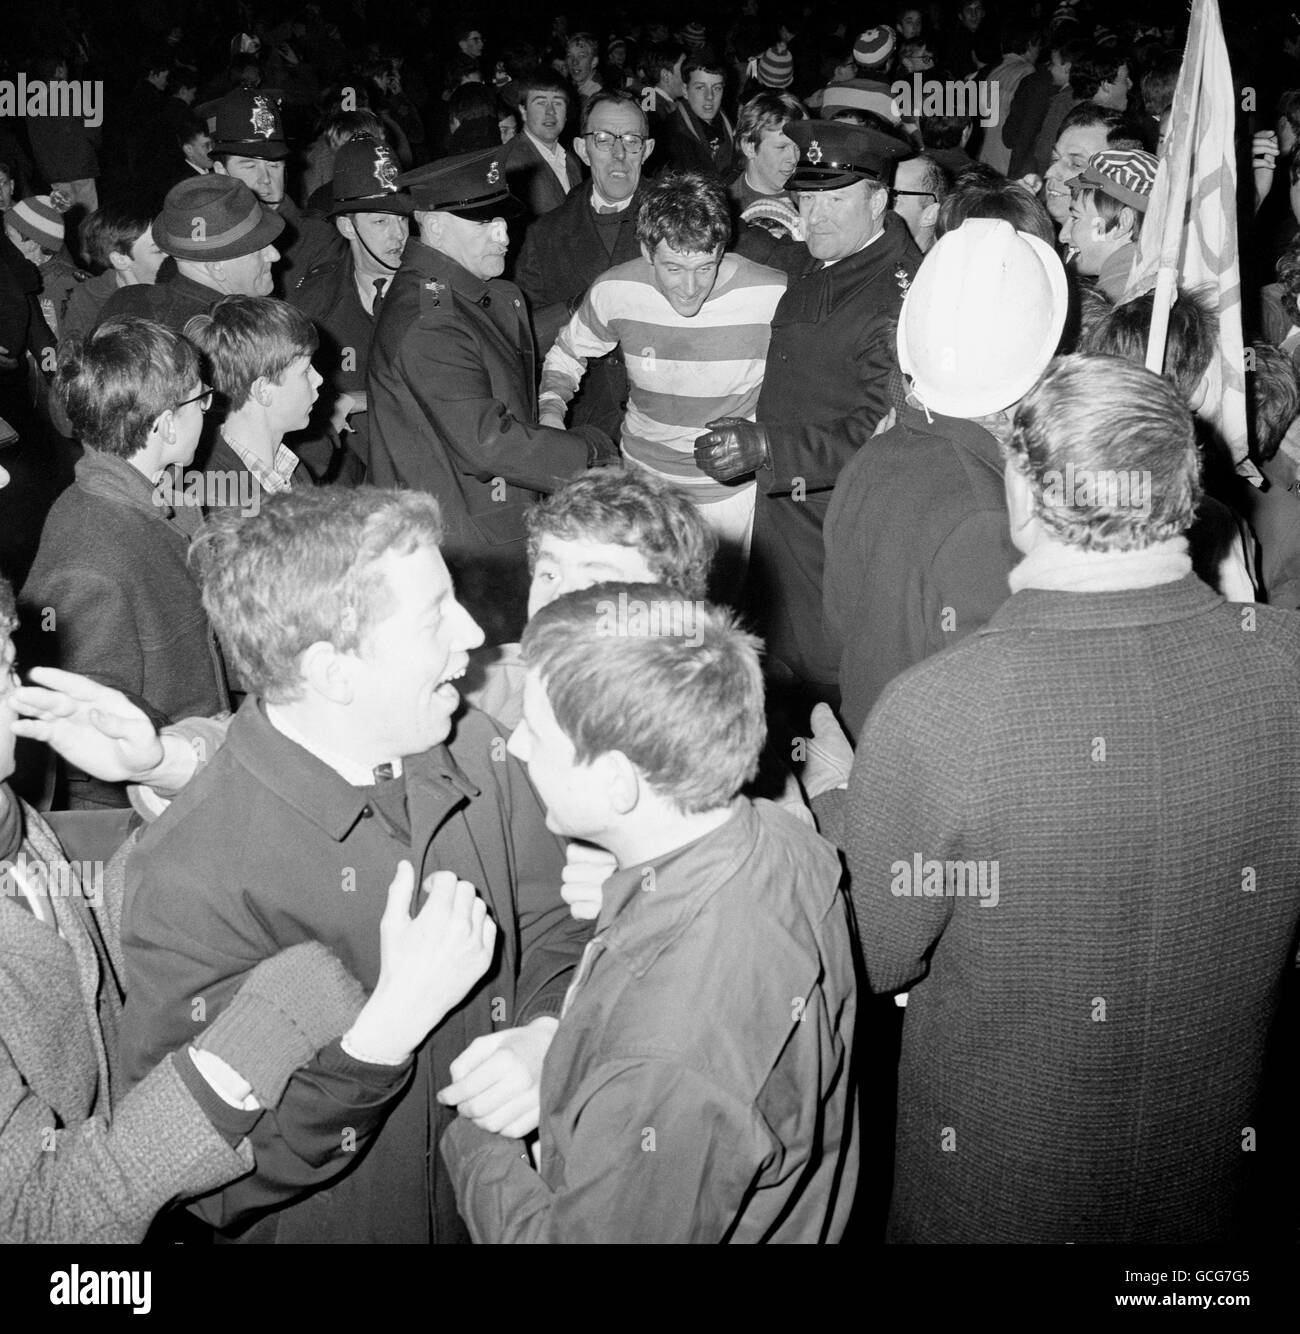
{"points": [[1126, 174], [38, 220], [693, 36], [874, 46], [775, 68]]}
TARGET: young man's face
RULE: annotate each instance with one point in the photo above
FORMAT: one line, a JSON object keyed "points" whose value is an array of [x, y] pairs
{"points": [[404, 668], [576, 796], [262, 176], [250, 275], [199, 151], [545, 111], [6, 191], [1085, 230], [144, 261], [565, 565], [671, 80], [684, 278], [838, 223], [909, 24], [1070, 155], [385, 234], [294, 394], [972, 14], [911, 205], [1059, 69], [774, 160], [917, 58], [1115, 92], [615, 172], [580, 62], [704, 94], [472, 45], [187, 428]]}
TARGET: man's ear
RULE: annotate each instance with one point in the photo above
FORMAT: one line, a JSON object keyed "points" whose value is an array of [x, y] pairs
{"points": [[879, 201], [1127, 221], [645, 253], [1021, 512], [343, 224], [328, 672], [260, 391], [622, 781], [965, 135], [648, 149], [929, 215], [219, 167], [120, 261], [580, 147]]}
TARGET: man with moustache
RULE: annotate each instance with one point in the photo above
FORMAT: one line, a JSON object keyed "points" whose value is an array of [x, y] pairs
{"points": [[566, 250], [451, 386], [344, 296]]}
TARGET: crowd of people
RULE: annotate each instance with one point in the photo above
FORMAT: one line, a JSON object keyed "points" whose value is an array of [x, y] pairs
{"points": [[618, 643]]}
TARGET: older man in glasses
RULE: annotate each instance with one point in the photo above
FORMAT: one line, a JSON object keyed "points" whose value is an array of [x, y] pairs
{"points": [[567, 249]]}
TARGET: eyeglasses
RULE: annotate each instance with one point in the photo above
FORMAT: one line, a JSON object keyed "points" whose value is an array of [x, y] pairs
{"points": [[604, 141], [912, 194], [204, 400]]}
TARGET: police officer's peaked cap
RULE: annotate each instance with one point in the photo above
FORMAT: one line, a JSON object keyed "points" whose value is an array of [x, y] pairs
{"points": [[833, 154], [470, 185]]}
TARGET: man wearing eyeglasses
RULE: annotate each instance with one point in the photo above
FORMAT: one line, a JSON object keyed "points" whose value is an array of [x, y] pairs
{"points": [[920, 186], [566, 250], [110, 587]]}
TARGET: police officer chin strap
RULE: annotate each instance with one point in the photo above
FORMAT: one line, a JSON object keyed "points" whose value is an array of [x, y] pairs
{"points": [[383, 263]]}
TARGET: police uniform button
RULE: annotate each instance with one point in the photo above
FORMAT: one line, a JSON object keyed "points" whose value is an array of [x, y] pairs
{"points": [[367, 812]]}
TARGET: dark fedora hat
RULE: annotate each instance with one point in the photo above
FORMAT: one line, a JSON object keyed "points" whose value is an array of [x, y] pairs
{"points": [[249, 125], [470, 185], [365, 180], [207, 218]]}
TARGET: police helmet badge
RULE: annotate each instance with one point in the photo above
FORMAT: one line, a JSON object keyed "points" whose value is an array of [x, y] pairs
{"points": [[815, 153], [263, 116], [494, 173], [386, 169]]}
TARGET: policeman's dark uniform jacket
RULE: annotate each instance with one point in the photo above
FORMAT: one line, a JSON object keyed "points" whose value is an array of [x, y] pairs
{"points": [[205, 219], [453, 399], [825, 389], [365, 176], [564, 252], [249, 124]]}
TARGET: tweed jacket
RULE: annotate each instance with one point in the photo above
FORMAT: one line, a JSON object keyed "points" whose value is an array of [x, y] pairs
{"points": [[1112, 780], [82, 1160]]}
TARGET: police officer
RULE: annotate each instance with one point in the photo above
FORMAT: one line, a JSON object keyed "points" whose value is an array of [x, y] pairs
{"points": [[452, 387], [344, 295], [826, 386], [250, 146]]}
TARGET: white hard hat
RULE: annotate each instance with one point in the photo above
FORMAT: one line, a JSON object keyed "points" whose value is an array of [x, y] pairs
{"points": [[982, 318]]}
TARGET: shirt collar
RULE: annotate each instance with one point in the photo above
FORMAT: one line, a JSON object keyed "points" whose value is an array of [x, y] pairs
{"points": [[276, 478], [555, 151], [350, 771], [598, 200]]}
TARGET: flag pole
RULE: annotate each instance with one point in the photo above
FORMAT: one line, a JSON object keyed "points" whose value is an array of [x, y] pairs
{"points": [[1161, 304]]}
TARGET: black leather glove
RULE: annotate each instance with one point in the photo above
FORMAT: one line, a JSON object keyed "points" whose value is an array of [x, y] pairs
{"points": [[732, 448]]}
